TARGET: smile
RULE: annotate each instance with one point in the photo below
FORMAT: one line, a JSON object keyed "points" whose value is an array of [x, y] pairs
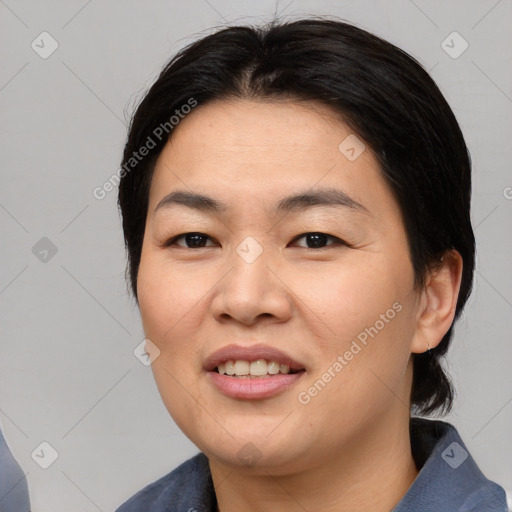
{"points": [[258, 368]]}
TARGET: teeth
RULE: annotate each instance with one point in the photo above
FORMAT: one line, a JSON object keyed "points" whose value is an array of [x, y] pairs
{"points": [[256, 368], [273, 367], [241, 368], [229, 368]]}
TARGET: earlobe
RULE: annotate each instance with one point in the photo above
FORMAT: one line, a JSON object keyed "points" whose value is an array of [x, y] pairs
{"points": [[438, 302]]}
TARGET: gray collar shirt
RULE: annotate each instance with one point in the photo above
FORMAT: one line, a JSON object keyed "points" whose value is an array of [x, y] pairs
{"points": [[448, 481]]}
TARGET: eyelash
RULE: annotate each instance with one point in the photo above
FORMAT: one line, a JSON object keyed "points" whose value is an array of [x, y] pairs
{"points": [[339, 241]]}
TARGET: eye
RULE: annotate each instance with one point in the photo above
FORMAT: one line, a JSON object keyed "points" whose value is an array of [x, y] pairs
{"points": [[318, 240], [195, 240]]}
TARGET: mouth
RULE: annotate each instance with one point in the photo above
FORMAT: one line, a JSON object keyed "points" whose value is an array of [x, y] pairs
{"points": [[255, 360], [251, 373], [260, 368]]}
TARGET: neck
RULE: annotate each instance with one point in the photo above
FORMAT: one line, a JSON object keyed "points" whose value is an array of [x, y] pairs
{"points": [[371, 472]]}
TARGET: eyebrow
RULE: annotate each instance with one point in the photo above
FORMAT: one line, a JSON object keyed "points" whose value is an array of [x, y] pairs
{"points": [[326, 197]]}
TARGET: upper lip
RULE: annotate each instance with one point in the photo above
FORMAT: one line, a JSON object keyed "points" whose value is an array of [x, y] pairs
{"points": [[250, 353]]}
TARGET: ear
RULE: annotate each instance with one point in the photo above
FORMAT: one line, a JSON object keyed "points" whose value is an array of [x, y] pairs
{"points": [[437, 302]]}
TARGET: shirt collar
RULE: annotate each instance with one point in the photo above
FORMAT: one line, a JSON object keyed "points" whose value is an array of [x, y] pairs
{"points": [[448, 480]]}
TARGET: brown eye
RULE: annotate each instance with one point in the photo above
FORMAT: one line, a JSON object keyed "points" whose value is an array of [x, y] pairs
{"points": [[192, 240], [196, 240], [318, 240]]}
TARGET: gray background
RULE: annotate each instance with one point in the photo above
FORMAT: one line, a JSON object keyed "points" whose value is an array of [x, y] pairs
{"points": [[68, 375]]}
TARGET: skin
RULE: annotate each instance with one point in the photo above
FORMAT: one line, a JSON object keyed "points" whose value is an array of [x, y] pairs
{"points": [[348, 448]]}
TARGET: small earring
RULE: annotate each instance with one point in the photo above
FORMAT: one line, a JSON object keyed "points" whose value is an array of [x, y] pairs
{"points": [[428, 347]]}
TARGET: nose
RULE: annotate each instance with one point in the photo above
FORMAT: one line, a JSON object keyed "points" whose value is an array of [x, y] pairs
{"points": [[252, 292]]}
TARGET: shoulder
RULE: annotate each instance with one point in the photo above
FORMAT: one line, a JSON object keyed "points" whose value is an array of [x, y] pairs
{"points": [[13, 483], [187, 487], [449, 479]]}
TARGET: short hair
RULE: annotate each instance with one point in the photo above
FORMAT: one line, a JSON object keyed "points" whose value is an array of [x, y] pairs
{"points": [[383, 94]]}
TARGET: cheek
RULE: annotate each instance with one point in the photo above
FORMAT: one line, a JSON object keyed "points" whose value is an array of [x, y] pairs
{"points": [[167, 295], [166, 301], [353, 296], [369, 313], [172, 303]]}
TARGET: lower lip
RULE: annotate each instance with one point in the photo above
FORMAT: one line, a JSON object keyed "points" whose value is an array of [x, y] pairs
{"points": [[254, 388]]}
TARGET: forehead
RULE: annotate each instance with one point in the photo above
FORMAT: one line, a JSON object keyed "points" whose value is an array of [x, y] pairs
{"points": [[254, 152], [273, 125]]}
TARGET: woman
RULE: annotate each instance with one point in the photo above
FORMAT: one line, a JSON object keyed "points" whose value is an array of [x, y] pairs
{"points": [[295, 203]]}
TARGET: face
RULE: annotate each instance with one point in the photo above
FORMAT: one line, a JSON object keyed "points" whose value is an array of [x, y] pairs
{"points": [[328, 285]]}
